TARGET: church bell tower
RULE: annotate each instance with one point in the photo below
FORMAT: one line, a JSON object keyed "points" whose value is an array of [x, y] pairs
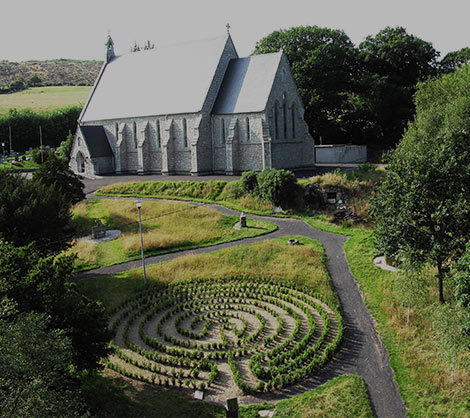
{"points": [[109, 48]]}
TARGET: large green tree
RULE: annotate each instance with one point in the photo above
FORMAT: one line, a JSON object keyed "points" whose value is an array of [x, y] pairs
{"points": [[39, 210], [423, 206], [45, 285], [324, 64], [37, 377], [455, 60], [395, 62]]}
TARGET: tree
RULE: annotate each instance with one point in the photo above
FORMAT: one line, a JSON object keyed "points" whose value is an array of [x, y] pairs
{"points": [[448, 324], [37, 377], [455, 60], [423, 205], [411, 285], [45, 285], [395, 62], [56, 173], [65, 148], [324, 62]]}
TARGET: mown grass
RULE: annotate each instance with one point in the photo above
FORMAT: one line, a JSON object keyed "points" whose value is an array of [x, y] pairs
{"points": [[45, 98], [167, 227], [112, 396], [274, 259], [11, 164], [423, 379]]}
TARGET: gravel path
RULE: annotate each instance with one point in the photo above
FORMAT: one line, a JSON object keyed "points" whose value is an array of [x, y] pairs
{"points": [[362, 351]]}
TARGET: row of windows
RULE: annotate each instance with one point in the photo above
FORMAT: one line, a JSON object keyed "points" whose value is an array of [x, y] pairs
{"points": [[157, 133], [223, 131], [281, 122]]}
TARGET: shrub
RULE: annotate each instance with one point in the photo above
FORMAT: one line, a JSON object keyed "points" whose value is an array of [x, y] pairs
{"points": [[250, 182], [36, 155], [277, 186]]}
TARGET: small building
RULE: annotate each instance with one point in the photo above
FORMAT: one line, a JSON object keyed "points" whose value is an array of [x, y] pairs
{"points": [[192, 108]]}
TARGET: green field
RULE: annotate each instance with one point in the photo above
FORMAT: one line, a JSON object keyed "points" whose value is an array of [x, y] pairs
{"points": [[45, 98]]}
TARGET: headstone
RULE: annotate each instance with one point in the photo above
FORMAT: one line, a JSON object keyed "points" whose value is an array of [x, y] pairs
{"points": [[242, 220], [232, 408], [98, 230], [199, 395]]}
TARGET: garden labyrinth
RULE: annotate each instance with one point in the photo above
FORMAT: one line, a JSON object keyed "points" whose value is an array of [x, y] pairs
{"points": [[225, 336]]}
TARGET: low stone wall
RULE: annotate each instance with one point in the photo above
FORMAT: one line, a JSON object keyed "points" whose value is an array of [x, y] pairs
{"points": [[325, 154]]}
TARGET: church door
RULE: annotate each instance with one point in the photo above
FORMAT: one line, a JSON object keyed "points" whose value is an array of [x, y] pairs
{"points": [[80, 162]]}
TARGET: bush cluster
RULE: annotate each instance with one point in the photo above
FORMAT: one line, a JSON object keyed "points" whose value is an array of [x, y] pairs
{"points": [[272, 185]]}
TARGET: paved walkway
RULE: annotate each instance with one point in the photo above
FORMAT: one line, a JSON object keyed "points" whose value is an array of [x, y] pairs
{"points": [[361, 352]]}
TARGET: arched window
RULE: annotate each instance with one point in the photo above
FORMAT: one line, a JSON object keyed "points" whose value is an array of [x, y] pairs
{"points": [[80, 162], [158, 134], [248, 133], [116, 130], [185, 133], [222, 131], [293, 116], [276, 121], [284, 115], [283, 75], [135, 133]]}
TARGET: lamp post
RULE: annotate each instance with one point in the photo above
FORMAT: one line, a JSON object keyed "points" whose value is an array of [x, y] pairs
{"points": [[3, 151], [139, 205]]}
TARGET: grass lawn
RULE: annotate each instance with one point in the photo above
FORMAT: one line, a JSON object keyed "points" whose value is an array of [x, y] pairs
{"points": [[273, 259], [110, 395], [45, 98], [423, 379], [11, 164], [167, 227]]}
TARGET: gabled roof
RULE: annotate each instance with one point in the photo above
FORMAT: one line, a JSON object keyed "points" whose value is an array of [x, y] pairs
{"points": [[247, 84], [160, 81], [96, 141]]}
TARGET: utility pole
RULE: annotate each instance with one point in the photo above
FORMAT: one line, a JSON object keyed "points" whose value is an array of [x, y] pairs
{"points": [[40, 143], [9, 136]]}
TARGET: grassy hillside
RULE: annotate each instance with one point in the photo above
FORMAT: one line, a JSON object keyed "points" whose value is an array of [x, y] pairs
{"points": [[48, 73], [45, 98]]}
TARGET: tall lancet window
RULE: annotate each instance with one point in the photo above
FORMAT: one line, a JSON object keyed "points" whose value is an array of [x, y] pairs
{"points": [[293, 116], [116, 131], [276, 121], [248, 133], [222, 131], [135, 133], [158, 134], [284, 115], [185, 133]]}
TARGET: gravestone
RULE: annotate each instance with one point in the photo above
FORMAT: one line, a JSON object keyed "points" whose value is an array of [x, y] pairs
{"points": [[98, 230], [231, 410], [242, 220]]}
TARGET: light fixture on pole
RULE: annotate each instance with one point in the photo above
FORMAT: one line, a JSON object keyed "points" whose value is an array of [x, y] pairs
{"points": [[139, 205]]}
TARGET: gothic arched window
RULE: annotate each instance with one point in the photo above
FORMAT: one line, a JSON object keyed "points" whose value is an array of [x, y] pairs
{"points": [[293, 116], [276, 121], [158, 134], [222, 131], [185, 133], [284, 115], [248, 133], [135, 133]]}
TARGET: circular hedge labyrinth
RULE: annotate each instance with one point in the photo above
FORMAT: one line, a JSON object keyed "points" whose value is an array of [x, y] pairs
{"points": [[224, 335]]}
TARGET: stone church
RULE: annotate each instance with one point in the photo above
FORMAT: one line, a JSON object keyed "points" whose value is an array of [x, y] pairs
{"points": [[192, 108]]}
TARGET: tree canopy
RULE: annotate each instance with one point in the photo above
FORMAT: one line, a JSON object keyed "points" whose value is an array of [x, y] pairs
{"points": [[423, 206], [39, 209]]}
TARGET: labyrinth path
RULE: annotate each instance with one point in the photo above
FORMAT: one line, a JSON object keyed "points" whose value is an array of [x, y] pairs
{"points": [[228, 336]]}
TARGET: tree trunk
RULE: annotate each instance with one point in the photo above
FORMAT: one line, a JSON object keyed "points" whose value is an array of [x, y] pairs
{"points": [[440, 278]]}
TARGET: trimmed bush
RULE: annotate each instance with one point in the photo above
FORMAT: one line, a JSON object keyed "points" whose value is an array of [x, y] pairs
{"points": [[277, 186], [250, 182]]}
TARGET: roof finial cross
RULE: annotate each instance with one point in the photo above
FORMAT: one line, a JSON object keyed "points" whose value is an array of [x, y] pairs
{"points": [[228, 28]]}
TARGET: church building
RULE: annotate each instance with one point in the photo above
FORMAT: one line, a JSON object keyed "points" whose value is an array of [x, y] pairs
{"points": [[192, 108]]}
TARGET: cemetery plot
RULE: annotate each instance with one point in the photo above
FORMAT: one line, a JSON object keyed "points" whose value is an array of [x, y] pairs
{"points": [[228, 336]]}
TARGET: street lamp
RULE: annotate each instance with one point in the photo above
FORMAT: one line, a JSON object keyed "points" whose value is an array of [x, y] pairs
{"points": [[139, 205], [3, 149]]}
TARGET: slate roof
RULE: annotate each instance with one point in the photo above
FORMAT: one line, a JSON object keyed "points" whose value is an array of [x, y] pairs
{"points": [[160, 81], [247, 84], [96, 141]]}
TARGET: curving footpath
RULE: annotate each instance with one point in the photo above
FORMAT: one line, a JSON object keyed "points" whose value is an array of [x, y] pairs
{"points": [[361, 352]]}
